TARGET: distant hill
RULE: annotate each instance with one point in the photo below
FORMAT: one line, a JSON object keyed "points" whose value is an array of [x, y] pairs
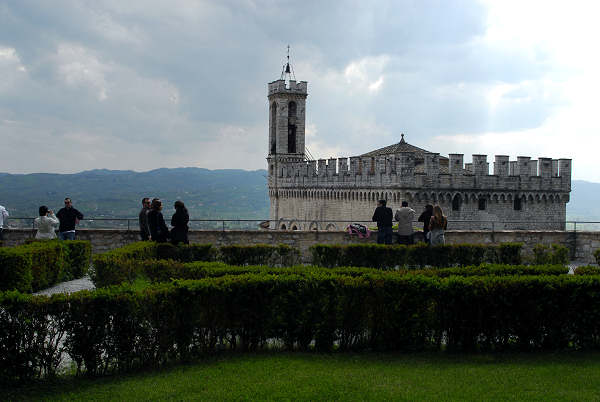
{"points": [[585, 201], [208, 194]]}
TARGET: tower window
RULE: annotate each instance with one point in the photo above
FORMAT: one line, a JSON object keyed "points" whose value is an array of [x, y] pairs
{"points": [[292, 128], [482, 203], [517, 204], [273, 134], [291, 139]]}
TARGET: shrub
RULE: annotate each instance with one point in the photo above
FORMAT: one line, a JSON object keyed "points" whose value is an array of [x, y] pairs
{"points": [[587, 270], [554, 254], [415, 256], [597, 256], [15, 269], [260, 254], [49, 262], [78, 255], [509, 253]]}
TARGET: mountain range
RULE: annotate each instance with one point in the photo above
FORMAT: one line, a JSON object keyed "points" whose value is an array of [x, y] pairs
{"points": [[208, 194]]}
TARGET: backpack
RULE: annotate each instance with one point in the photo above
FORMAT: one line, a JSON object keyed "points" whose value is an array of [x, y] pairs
{"points": [[358, 229]]}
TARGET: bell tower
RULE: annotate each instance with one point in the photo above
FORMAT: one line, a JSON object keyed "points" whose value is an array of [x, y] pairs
{"points": [[287, 122], [287, 116]]}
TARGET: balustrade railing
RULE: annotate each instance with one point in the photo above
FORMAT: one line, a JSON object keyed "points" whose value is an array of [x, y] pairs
{"points": [[323, 225]]}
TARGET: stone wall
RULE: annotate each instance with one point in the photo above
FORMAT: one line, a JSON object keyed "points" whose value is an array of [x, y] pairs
{"points": [[582, 244], [343, 207]]}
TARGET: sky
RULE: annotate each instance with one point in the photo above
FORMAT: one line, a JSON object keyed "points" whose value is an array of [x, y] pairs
{"points": [[139, 85]]}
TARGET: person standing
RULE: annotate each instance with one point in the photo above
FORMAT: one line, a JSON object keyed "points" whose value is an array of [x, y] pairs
{"points": [[46, 224], [143, 219], [425, 217], [384, 217], [179, 221], [68, 217], [3, 216], [405, 217], [437, 224], [156, 223]]}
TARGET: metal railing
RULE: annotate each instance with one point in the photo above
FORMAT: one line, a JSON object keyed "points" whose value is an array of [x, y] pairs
{"points": [[258, 224]]}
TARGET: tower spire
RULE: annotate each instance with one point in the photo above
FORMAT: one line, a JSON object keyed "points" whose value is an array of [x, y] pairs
{"points": [[287, 73]]}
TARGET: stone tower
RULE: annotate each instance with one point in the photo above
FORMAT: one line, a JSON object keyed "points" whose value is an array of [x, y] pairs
{"points": [[287, 122]]}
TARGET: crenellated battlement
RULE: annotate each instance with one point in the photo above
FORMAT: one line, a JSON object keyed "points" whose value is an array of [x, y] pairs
{"points": [[293, 87], [510, 193], [402, 171]]}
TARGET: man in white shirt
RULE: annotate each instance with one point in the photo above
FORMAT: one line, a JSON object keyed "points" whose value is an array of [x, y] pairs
{"points": [[405, 217], [3, 216]]}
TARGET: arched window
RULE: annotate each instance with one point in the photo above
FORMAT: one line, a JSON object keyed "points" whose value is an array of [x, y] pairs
{"points": [[273, 145], [517, 205], [482, 203], [292, 128], [456, 201]]}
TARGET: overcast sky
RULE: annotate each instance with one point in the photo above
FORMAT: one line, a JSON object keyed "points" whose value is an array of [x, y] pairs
{"points": [[146, 84]]}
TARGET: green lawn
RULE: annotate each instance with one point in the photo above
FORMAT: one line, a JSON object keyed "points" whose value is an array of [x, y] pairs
{"points": [[552, 376]]}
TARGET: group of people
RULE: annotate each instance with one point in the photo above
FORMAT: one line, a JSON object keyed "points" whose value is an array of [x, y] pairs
{"points": [[153, 226], [434, 223], [152, 223], [66, 219]]}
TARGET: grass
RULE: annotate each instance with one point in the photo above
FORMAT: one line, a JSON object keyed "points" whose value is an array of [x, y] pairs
{"points": [[298, 376]]}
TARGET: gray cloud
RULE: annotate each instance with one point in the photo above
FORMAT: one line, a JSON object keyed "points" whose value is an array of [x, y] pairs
{"points": [[146, 84]]}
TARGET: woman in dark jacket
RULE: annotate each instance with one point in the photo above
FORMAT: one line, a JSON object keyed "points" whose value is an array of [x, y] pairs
{"points": [[425, 217], [179, 221], [159, 231]]}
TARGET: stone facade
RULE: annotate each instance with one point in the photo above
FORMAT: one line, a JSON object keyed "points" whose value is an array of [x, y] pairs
{"points": [[581, 244], [330, 194]]}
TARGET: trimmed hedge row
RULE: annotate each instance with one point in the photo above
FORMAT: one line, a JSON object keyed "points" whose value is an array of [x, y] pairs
{"points": [[420, 255], [157, 271], [121, 264], [40, 264], [119, 329]]}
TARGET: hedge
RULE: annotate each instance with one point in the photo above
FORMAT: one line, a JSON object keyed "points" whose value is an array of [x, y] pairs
{"points": [[122, 264], [420, 255], [587, 270], [40, 264], [597, 256], [156, 271], [119, 329], [260, 254]]}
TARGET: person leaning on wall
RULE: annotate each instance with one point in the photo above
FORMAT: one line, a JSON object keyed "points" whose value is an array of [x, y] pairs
{"points": [[437, 225], [156, 223], [143, 219], [384, 218], [69, 217], [179, 221]]}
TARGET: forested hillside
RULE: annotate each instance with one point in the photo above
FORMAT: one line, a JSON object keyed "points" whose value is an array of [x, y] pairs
{"points": [[208, 194]]}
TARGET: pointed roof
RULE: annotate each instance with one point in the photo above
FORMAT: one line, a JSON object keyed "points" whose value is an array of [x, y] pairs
{"points": [[402, 146]]}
